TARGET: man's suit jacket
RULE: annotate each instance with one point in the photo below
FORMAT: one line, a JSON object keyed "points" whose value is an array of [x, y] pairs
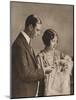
{"points": [[24, 72]]}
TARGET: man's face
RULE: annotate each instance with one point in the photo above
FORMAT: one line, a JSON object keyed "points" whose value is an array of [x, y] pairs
{"points": [[36, 30]]}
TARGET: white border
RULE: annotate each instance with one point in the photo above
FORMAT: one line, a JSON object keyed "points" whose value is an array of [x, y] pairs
{"points": [[5, 47]]}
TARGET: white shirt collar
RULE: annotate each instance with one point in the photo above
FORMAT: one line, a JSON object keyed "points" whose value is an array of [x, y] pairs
{"points": [[26, 37]]}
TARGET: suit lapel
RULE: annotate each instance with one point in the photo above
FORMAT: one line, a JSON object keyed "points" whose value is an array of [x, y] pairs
{"points": [[27, 46]]}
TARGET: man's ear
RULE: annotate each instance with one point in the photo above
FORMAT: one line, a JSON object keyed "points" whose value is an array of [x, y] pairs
{"points": [[30, 27]]}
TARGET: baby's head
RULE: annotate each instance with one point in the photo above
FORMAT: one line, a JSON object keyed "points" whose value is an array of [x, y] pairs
{"points": [[50, 38]]}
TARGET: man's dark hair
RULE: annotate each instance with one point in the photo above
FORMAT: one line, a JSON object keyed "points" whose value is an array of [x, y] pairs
{"points": [[48, 35], [33, 20]]}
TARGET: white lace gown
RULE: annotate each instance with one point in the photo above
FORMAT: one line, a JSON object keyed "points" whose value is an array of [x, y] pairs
{"points": [[57, 82]]}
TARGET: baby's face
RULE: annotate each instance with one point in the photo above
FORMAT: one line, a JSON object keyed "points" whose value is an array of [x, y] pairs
{"points": [[54, 42]]}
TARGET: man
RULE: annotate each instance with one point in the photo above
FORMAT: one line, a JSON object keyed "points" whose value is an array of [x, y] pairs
{"points": [[25, 72]]}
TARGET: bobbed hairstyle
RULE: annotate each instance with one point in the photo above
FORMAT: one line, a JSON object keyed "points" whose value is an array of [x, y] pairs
{"points": [[49, 35], [33, 20]]}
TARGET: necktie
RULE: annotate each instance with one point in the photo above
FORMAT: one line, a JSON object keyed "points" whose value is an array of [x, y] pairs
{"points": [[32, 50]]}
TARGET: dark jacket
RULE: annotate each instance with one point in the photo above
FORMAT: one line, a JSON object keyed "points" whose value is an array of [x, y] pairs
{"points": [[24, 72]]}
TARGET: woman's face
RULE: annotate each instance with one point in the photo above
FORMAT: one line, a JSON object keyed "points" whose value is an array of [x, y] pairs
{"points": [[54, 42]]}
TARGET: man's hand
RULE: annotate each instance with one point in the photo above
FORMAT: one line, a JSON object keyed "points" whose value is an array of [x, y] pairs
{"points": [[48, 70]]}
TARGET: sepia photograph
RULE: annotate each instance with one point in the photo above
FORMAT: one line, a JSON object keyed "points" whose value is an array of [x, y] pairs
{"points": [[41, 49]]}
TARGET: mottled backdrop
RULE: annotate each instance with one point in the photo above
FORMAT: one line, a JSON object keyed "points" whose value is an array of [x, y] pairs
{"points": [[58, 17]]}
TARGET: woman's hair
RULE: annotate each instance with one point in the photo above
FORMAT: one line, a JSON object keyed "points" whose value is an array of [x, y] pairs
{"points": [[49, 35]]}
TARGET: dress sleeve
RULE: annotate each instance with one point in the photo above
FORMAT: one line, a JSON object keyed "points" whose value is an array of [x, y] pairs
{"points": [[39, 61]]}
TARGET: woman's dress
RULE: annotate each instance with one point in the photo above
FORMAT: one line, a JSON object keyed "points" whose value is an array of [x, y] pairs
{"points": [[58, 81]]}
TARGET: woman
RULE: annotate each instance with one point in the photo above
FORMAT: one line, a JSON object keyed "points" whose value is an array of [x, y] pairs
{"points": [[58, 81]]}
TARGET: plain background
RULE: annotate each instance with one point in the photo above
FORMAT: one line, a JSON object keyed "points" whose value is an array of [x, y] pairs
{"points": [[5, 50], [57, 17]]}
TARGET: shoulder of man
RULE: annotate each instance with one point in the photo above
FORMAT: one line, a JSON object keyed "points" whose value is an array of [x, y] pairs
{"points": [[18, 43]]}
